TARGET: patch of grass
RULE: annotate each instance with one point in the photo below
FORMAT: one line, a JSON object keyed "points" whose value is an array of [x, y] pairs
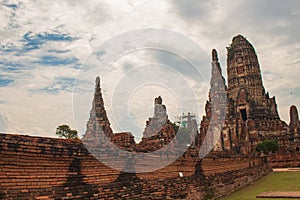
{"points": [[276, 181]]}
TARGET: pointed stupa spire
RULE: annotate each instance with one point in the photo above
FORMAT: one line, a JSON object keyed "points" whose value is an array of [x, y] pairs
{"points": [[97, 93], [216, 71], [97, 85], [98, 121], [215, 61], [294, 124], [294, 118], [215, 55]]}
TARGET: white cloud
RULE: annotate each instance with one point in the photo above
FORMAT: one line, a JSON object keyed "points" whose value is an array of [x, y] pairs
{"points": [[273, 29]]}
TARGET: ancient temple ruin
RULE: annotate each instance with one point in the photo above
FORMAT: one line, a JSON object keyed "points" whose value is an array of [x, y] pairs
{"points": [[294, 126], [98, 130], [251, 115], [238, 114], [158, 130]]}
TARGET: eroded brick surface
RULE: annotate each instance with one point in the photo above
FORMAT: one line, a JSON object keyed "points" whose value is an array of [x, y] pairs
{"points": [[36, 167]]}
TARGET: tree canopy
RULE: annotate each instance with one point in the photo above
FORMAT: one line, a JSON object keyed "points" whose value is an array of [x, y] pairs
{"points": [[66, 132], [267, 146]]}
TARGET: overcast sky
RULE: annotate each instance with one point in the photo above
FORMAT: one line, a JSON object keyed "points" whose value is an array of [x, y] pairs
{"points": [[43, 45]]}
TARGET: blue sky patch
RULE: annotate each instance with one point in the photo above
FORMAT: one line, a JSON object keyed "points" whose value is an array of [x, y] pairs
{"points": [[11, 64], [8, 48], [13, 6], [35, 41], [54, 61], [5, 82], [15, 67], [58, 51], [62, 84]]}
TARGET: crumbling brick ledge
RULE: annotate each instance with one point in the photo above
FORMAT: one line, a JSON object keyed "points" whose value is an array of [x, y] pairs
{"points": [[48, 168]]}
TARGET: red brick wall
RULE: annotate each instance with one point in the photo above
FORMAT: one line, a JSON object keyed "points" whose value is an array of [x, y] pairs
{"points": [[282, 160], [47, 168]]}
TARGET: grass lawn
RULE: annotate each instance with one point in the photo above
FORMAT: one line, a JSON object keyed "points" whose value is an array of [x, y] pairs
{"points": [[276, 181]]}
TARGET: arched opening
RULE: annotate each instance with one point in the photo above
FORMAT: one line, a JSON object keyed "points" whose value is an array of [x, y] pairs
{"points": [[243, 114]]}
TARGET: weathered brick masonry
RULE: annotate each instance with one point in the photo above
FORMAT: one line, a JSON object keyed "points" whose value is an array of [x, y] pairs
{"points": [[283, 160], [47, 168]]}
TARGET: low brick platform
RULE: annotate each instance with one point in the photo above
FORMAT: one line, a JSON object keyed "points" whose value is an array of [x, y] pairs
{"points": [[294, 194]]}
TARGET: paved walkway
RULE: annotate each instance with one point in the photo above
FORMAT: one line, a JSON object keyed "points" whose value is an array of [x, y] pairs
{"points": [[292, 194], [295, 194], [294, 169]]}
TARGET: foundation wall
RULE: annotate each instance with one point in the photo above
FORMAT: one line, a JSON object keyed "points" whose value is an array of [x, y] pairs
{"points": [[48, 168]]}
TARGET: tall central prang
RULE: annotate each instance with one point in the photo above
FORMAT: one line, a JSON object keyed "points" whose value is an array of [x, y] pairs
{"points": [[244, 80], [243, 69], [251, 115]]}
